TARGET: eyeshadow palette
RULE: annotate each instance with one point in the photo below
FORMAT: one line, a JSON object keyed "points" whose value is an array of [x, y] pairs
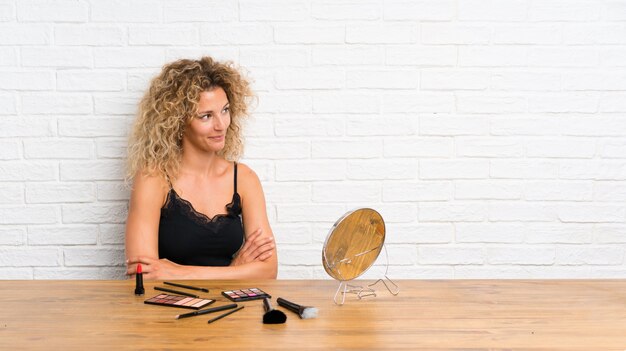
{"points": [[245, 294], [179, 301]]}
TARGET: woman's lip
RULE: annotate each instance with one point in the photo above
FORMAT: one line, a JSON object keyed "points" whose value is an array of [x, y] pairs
{"points": [[219, 137]]}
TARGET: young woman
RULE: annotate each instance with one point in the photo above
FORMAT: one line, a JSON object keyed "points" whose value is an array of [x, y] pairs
{"points": [[194, 212]]}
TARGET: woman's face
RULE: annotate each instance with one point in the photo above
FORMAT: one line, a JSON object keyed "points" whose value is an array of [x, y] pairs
{"points": [[207, 130]]}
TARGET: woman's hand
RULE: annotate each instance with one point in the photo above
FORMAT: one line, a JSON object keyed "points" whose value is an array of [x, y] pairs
{"points": [[155, 269], [256, 248]]}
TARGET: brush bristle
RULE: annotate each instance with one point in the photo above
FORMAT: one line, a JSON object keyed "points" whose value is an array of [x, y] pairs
{"points": [[309, 312]]}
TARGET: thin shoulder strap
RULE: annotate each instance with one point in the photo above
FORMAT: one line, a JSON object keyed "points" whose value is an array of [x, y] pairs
{"points": [[235, 177]]}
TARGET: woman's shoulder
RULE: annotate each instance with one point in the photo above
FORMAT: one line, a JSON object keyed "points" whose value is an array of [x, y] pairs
{"points": [[246, 176], [150, 182]]}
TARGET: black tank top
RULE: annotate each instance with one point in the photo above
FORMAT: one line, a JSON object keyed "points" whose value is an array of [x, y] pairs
{"points": [[189, 237]]}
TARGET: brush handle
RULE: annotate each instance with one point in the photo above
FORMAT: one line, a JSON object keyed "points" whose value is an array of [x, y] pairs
{"points": [[293, 307], [267, 305]]}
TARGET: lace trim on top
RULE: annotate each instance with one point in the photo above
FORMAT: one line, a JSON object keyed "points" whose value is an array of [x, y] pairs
{"points": [[233, 209]]}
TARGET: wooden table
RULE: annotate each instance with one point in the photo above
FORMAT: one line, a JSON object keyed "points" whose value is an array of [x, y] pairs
{"points": [[428, 314]]}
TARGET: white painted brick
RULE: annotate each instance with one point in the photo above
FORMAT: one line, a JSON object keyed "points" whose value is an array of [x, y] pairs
{"points": [[398, 255], [609, 191], [16, 273], [309, 78], [287, 192], [111, 148], [381, 125], [28, 215], [292, 234], [284, 103], [594, 125], [453, 169], [452, 33], [561, 148], [611, 272], [309, 213], [200, 11], [52, 11], [32, 170], [295, 272], [536, 34], [382, 79], [564, 10], [63, 235], [413, 55], [274, 10], [57, 103], [365, 192], [220, 53], [93, 127], [422, 102], [522, 211], [382, 169], [417, 191], [427, 233], [487, 190], [309, 34], [112, 234], [612, 148], [523, 272], [41, 193], [95, 213], [236, 34], [526, 125], [419, 147], [306, 126], [454, 80], [139, 80], [7, 11], [262, 80], [92, 170], [93, 257], [116, 104], [489, 232], [525, 81], [520, 255], [91, 80], [56, 57], [347, 55], [590, 255], [593, 169], [346, 103], [595, 80], [83, 35], [310, 170], [395, 212], [523, 169], [614, 10], [129, 57], [27, 80], [610, 233], [7, 105], [457, 255], [8, 57], [558, 190], [271, 149], [387, 33], [279, 56], [10, 150], [260, 126], [62, 273], [452, 212], [447, 125], [58, 149], [11, 194], [574, 102], [25, 34], [491, 103], [492, 56], [489, 147], [593, 33], [492, 10], [592, 213], [23, 257], [346, 10], [348, 149], [613, 57], [163, 35], [559, 233], [421, 272], [420, 10], [295, 256], [562, 57], [264, 169], [125, 11]]}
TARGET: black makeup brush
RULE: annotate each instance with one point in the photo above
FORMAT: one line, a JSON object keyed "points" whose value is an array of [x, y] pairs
{"points": [[305, 312], [271, 315]]}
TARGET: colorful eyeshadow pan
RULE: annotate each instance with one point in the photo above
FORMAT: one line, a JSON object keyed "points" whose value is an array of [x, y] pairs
{"points": [[245, 294], [178, 301]]}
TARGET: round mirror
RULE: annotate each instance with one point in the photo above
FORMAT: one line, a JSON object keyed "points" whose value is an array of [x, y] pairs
{"points": [[353, 244]]}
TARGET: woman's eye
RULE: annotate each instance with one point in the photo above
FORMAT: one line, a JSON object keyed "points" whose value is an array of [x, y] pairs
{"points": [[205, 117], [226, 110]]}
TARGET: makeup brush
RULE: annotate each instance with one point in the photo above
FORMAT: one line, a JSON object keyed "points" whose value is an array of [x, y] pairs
{"points": [[305, 312], [271, 315]]}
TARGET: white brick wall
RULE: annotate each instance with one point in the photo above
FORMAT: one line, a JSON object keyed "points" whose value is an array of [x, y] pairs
{"points": [[491, 134]]}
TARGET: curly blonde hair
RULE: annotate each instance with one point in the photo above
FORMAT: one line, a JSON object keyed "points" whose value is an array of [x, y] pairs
{"points": [[155, 145]]}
